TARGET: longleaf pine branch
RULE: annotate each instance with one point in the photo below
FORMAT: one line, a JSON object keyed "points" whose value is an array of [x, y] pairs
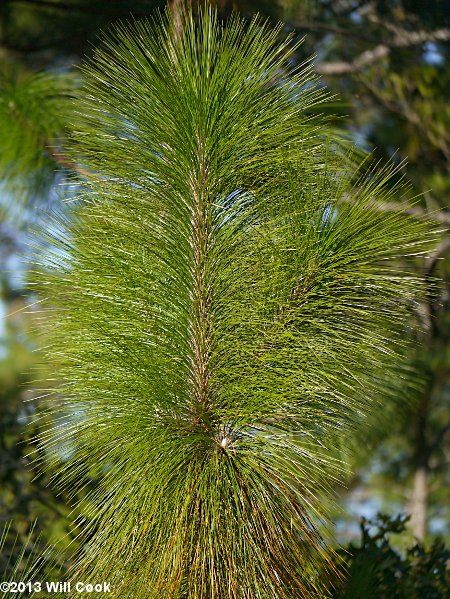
{"points": [[226, 305]]}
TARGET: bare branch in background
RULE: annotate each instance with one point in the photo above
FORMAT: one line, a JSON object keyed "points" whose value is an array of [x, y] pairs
{"points": [[403, 39]]}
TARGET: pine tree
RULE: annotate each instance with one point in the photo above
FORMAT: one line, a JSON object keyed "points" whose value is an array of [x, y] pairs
{"points": [[224, 305], [34, 109]]}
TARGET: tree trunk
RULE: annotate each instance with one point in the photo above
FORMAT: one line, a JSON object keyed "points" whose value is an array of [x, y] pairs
{"points": [[419, 498], [418, 506], [419, 502]]}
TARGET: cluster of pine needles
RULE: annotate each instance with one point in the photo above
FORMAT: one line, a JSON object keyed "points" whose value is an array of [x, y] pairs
{"points": [[224, 306]]}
